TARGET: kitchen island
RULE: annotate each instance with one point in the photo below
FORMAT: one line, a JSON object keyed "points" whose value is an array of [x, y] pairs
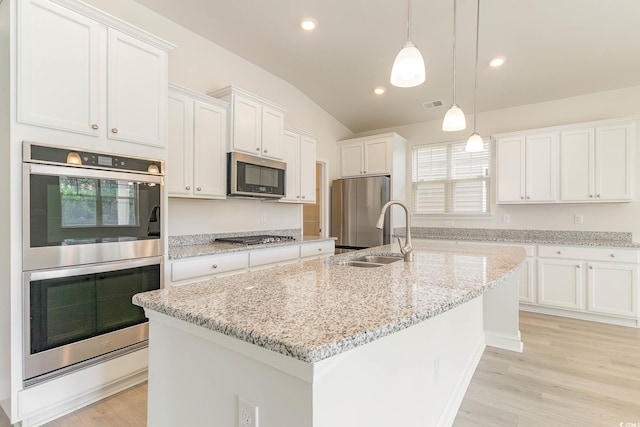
{"points": [[319, 343]]}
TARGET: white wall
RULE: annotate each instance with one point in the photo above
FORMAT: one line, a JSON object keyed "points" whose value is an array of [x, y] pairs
{"points": [[596, 106], [201, 65]]}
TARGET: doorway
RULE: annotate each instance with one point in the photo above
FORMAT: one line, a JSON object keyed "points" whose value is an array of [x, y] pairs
{"points": [[312, 213]]}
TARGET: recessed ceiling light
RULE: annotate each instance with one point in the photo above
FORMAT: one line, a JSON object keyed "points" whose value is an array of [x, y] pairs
{"points": [[497, 61], [379, 90], [308, 24]]}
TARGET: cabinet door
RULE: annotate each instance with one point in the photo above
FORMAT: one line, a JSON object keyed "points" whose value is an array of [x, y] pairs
{"points": [[291, 156], [137, 91], [526, 281], [179, 174], [58, 68], [613, 163], [351, 159], [247, 125], [272, 127], [510, 170], [541, 167], [377, 157], [576, 165], [560, 283], [209, 162], [612, 289], [307, 169]]}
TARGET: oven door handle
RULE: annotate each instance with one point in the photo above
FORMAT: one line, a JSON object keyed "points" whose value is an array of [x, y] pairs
{"points": [[93, 173], [91, 269]]}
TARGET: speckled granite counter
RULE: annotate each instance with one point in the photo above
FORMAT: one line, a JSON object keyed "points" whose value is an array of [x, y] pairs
{"points": [[541, 237], [316, 309], [212, 248]]}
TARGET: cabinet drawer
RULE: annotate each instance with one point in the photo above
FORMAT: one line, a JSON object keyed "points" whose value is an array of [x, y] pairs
{"points": [[317, 249], [273, 255], [589, 253], [208, 266]]}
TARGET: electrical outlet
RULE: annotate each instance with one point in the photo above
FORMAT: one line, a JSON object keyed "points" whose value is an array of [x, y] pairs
{"points": [[506, 218], [263, 218], [247, 413], [448, 223], [578, 219]]}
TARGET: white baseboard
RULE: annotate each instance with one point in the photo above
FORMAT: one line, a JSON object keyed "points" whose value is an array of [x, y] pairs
{"points": [[505, 342], [601, 318], [448, 415]]}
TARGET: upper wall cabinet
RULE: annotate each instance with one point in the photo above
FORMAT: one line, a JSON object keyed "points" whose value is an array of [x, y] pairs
{"points": [[581, 163], [368, 156], [300, 156], [82, 71], [596, 163], [197, 145], [527, 168], [255, 124]]}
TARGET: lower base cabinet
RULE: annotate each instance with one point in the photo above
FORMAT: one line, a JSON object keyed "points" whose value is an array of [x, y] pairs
{"points": [[560, 284], [612, 289]]}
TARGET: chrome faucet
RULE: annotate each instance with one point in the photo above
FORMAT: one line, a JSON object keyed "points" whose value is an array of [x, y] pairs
{"points": [[406, 249]]}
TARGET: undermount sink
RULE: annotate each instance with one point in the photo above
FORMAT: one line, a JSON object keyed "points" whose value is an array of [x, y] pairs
{"points": [[370, 261], [379, 259]]}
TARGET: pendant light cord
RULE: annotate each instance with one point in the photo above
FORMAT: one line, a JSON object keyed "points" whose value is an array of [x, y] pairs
{"points": [[475, 96], [454, 51], [408, 20]]}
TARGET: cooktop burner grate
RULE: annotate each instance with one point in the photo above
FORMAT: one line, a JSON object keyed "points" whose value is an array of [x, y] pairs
{"points": [[255, 240]]}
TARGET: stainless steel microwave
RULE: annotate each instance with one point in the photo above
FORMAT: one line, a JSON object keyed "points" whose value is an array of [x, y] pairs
{"points": [[251, 176]]}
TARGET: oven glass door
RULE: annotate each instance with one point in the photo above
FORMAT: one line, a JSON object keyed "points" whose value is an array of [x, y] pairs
{"points": [[70, 206], [75, 314]]}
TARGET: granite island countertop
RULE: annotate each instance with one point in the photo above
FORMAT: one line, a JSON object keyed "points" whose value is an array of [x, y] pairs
{"points": [[215, 247], [316, 309]]}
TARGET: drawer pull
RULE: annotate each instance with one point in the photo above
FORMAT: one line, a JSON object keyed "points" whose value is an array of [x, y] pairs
{"points": [[528, 197], [114, 130], [187, 187], [591, 267], [94, 126], [319, 249], [199, 189], [613, 255], [578, 266], [214, 266], [522, 197], [558, 252]]}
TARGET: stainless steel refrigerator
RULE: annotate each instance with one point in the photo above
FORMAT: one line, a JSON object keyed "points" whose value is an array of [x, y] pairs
{"points": [[355, 208]]}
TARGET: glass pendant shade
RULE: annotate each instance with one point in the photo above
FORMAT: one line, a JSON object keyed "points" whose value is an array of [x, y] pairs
{"points": [[408, 68], [454, 119], [474, 144]]}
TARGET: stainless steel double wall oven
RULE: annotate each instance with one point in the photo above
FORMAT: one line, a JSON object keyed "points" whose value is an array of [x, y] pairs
{"points": [[92, 239]]}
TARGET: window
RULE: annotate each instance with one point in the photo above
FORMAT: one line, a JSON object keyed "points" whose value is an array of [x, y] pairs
{"points": [[448, 180], [89, 202]]}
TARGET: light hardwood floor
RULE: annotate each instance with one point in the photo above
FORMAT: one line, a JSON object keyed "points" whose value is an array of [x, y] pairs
{"points": [[571, 373]]}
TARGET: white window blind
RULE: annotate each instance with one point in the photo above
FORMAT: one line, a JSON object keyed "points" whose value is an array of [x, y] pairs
{"points": [[448, 180]]}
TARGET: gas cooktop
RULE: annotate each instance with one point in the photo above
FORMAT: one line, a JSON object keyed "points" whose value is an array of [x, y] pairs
{"points": [[255, 240]]}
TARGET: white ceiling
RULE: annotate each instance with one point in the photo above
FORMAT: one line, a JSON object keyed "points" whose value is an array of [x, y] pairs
{"points": [[554, 49]]}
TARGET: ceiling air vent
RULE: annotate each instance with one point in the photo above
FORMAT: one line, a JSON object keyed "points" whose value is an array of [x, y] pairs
{"points": [[432, 104]]}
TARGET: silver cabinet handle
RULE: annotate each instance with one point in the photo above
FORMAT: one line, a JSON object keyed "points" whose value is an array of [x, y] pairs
{"points": [[522, 197], [214, 266], [528, 197], [558, 252], [114, 130], [304, 197], [199, 189], [597, 195], [591, 195], [613, 255], [590, 267], [94, 126], [187, 188], [257, 148], [319, 249], [578, 266], [265, 150], [365, 171]]}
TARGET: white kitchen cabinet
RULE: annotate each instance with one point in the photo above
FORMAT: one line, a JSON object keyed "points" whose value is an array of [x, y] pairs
{"points": [[527, 278], [560, 283], [612, 289], [69, 60], [256, 125], [596, 163], [137, 90], [197, 137], [371, 156], [58, 68], [318, 249], [300, 155], [527, 168], [208, 266]]}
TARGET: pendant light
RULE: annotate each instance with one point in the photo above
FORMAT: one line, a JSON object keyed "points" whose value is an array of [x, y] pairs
{"points": [[454, 119], [408, 68], [474, 143]]}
